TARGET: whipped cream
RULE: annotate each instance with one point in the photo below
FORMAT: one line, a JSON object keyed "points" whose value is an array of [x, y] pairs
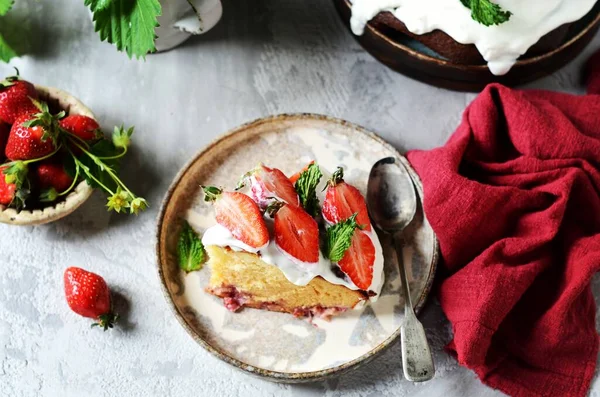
{"points": [[500, 45], [297, 272]]}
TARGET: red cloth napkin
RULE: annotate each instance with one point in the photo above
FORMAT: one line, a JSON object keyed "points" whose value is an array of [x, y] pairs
{"points": [[514, 198]]}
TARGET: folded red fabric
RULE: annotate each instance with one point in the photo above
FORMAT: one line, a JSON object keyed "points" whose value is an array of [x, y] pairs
{"points": [[514, 198]]}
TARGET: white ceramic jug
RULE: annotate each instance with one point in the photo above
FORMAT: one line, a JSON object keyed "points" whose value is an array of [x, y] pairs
{"points": [[182, 18]]}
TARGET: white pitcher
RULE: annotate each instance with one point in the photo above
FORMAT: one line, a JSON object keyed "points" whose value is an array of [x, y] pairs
{"points": [[182, 18]]}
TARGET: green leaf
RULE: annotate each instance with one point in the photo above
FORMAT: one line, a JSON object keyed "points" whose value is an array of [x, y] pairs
{"points": [[6, 52], [16, 173], [5, 6], [339, 238], [190, 250], [486, 13], [306, 187], [128, 24], [103, 148]]}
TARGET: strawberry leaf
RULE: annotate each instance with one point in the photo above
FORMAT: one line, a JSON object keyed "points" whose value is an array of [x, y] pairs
{"points": [[306, 187], [190, 250], [339, 238], [103, 148], [128, 24], [5, 6], [6, 52]]}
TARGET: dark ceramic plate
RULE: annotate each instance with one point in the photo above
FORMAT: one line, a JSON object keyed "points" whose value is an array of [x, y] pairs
{"points": [[409, 57]]}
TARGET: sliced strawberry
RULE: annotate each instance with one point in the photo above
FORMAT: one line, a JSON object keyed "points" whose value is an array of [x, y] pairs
{"points": [[15, 99], [297, 233], [358, 260], [296, 176], [240, 215], [269, 184], [342, 200]]}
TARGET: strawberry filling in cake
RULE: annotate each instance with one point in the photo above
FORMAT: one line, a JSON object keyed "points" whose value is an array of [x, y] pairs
{"points": [[274, 249]]}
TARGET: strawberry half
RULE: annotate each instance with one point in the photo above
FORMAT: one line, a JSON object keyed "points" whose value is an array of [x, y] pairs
{"points": [[15, 99], [296, 232], [342, 200], [25, 143], [270, 184], [358, 260], [88, 295], [240, 215]]}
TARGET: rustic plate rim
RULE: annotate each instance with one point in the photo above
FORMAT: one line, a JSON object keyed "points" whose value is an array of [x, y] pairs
{"points": [[276, 376]]}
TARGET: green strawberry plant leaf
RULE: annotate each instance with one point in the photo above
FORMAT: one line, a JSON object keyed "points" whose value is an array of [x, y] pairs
{"points": [[128, 24], [103, 148], [6, 51]]}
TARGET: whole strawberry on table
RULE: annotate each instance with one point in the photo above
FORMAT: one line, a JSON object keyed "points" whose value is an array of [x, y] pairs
{"points": [[45, 153]]}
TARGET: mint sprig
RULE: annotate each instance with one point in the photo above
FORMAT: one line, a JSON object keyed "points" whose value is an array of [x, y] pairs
{"points": [[339, 238], [487, 13], [190, 250], [306, 187]]}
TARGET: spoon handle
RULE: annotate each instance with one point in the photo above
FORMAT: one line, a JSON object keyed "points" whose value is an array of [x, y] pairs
{"points": [[417, 361]]}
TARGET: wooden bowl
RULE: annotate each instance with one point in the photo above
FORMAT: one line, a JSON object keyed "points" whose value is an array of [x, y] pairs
{"points": [[407, 56], [80, 193]]}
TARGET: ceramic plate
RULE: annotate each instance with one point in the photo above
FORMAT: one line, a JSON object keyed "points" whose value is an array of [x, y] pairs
{"points": [[279, 346]]}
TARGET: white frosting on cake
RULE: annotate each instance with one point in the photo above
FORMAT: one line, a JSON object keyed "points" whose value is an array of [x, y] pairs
{"points": [[297, 272], [500, 45]]}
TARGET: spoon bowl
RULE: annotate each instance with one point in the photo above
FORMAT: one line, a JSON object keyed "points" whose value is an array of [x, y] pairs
{"points": [[391, 195]]}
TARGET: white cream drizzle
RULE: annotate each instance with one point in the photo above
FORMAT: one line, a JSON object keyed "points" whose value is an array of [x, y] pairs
{"points": [[500, 45], [297, 272]]}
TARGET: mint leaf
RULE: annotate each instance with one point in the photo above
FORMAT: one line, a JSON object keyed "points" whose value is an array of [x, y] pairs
{"points": [[306, 187], [6, 52], [486, 13], [339, 238], [128, 24], [5, 6], [190, 250]]}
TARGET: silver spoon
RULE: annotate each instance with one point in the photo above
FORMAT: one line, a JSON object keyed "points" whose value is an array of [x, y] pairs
{"points": [[392, 204]]}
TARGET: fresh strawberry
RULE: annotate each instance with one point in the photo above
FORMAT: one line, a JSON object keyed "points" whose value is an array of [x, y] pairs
{"points": [[81, 126], [7, 190], [296, 232], [88, 295], [4, 131], [15, 99], [240, 215], [296, 176], [25, 143], [269, 184], [342, 200], [52, 174], [358, 260]]}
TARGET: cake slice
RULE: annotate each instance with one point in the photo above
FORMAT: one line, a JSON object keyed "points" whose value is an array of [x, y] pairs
{"points": [[244, 279], [273, 260]]}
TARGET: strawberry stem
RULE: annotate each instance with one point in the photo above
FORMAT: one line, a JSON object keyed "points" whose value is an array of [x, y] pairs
{"points": [[337, 177], [88, 173], [211, 193], [106, 321], [72, 183]]}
